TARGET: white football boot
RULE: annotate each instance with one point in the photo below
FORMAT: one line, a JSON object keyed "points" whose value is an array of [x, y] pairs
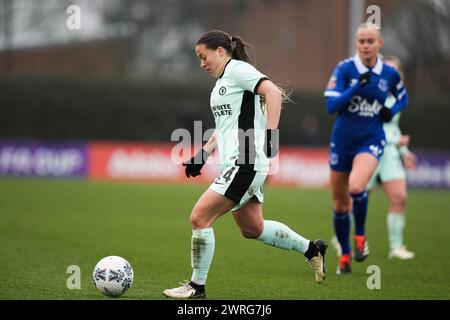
{"points": [[186, 291], [317, 263], [401, 253]]}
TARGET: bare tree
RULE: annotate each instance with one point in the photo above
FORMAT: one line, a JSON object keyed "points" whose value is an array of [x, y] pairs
{"points": [[162, 33], [420, 31]]}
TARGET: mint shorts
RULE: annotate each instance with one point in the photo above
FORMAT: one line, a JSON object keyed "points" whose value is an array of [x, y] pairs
{"points": [[390, 167]]}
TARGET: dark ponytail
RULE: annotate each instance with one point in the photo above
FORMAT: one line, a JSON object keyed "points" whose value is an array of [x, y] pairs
{"points": [[234, 45], [239, 49]]}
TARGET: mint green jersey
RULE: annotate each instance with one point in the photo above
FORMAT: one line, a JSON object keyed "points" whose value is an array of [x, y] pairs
{"points": [[392, 129], [239, 116], [390, 166]]}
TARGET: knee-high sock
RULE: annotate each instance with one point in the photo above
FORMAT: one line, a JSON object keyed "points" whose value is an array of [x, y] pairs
{"points": [[341, 222], [395, 224], [360, 201], [281, 236], [202, 252]]}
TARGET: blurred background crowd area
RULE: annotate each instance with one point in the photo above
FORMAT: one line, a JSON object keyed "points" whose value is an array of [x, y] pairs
{"points": [[129, 73]]}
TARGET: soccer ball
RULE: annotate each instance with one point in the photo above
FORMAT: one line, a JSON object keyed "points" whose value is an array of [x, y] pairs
{"points": [[113, 276]]}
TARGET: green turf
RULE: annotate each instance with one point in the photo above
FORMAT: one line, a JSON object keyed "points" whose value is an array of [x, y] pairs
{"points": [[46, 225]]}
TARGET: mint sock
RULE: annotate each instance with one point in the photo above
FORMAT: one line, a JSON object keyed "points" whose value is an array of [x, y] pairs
{"points": [[202, 252], [395, 224], [279, 235]]}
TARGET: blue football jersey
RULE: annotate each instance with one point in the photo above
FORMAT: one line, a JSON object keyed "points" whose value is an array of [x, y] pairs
{"points": [[359, 118]]}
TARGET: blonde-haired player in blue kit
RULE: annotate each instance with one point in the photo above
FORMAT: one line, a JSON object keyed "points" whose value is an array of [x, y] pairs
{"points": [[391, 173], [356, 93], [246, 137]]}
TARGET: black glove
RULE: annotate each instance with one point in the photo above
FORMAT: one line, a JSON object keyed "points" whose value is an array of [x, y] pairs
{"points": [[272, 143], [385, 114], [364, 78], [196, 163]]}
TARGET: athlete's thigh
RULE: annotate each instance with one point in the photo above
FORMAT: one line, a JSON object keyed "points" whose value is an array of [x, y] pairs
{"points": [[364, 165], [210, 206], [339, 184], [374, 179], [249, 217], [395, 190]]}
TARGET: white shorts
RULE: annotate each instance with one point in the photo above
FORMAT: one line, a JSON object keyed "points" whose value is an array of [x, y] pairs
{"points": [[240, 184]]}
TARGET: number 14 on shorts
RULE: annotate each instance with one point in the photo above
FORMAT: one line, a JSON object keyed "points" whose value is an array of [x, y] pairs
{"points": [[226, 176]]}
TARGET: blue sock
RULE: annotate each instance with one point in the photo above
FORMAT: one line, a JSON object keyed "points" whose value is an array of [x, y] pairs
{"points": [[342, 229], [360, 201]]}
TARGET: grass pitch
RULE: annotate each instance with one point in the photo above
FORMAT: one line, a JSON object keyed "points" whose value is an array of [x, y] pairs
{"points": [[48, 225]]}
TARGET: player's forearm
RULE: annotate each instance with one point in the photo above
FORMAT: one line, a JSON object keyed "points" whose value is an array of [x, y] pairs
{"points": [[211, 144], [273, 107], [335, 104]]}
